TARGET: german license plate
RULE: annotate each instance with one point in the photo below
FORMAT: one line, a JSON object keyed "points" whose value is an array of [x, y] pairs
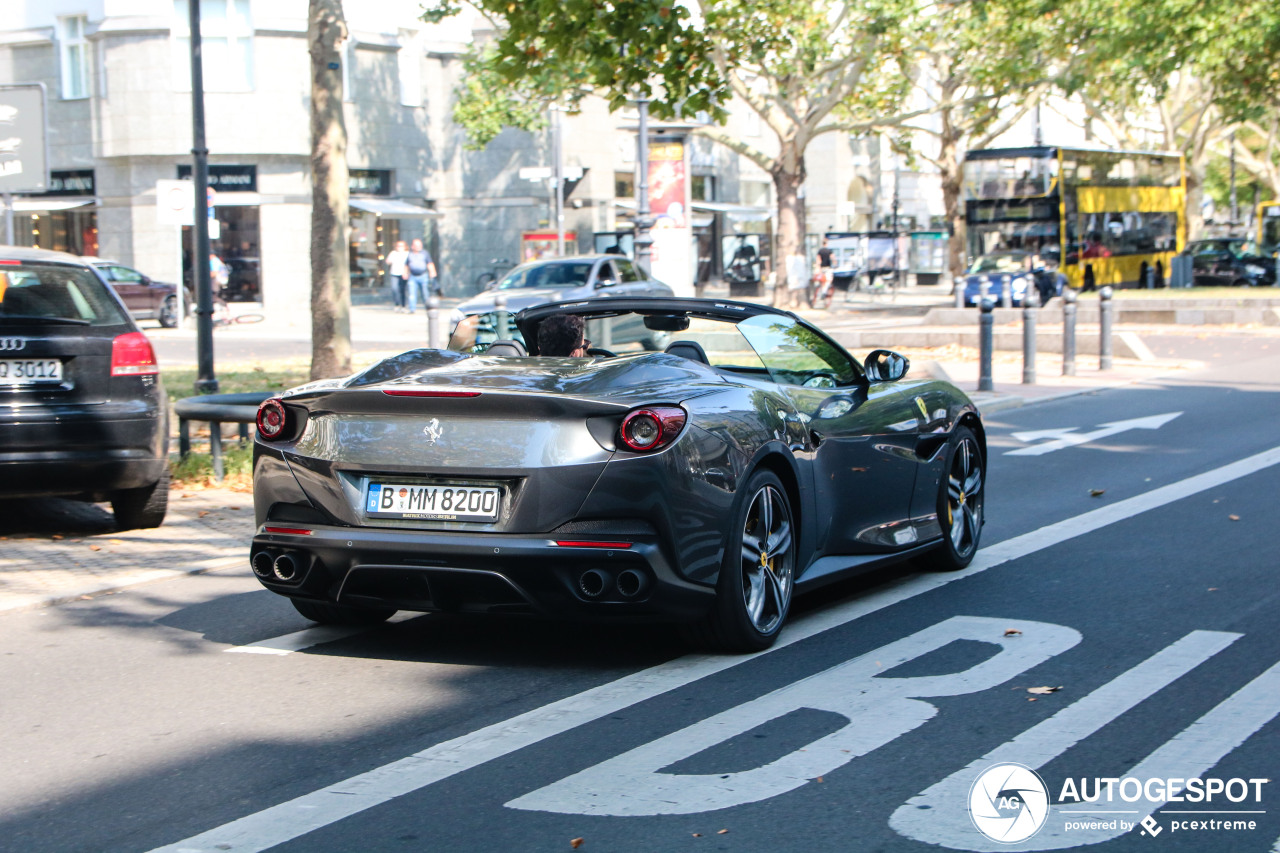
{"points": [[441, 503], [30, 371]]}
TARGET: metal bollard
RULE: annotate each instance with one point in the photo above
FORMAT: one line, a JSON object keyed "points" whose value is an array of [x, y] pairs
{"points": [[433, 321], [1068, 332], [1030, 308], [1006, 292], [958, 289], [1149, 282], [500, 315], [984, 288], [1105, 307], [985, 343]]}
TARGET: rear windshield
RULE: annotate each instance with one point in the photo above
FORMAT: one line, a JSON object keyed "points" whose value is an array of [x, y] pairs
{"points": [[38, 291], [567, 274]]}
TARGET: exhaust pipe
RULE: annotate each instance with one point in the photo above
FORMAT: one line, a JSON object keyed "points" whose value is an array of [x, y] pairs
{"points": [[262, 564], [286, 567], [631, 583], [592, 582]]}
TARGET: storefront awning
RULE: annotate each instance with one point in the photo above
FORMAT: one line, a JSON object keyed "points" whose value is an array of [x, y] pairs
{"points": [[394, 208], [49, 205]]}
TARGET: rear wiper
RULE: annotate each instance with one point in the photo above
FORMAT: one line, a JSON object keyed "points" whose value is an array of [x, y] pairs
{"points": [[33, 319]]}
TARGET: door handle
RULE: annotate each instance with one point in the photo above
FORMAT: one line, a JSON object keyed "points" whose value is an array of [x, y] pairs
{"points": [[816, 437]]}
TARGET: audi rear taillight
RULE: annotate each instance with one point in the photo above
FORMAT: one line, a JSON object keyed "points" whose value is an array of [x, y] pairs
{"points": [[132, 355], [652, 428], [273, 419]]}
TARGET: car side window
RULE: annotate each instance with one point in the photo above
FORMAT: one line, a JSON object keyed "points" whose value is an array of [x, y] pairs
{"points": [[626, 270], [124, 274], [605, 276], [795, 354]]}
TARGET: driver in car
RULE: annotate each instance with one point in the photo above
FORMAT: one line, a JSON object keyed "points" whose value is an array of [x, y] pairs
{"points": [[563, 335]]}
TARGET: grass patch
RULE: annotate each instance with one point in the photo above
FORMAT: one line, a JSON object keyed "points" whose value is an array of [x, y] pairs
{"points": [[196, 470]]}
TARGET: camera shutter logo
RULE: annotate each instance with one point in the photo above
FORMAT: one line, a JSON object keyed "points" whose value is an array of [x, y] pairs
{"points": [[1008, 803], [12, 344]]}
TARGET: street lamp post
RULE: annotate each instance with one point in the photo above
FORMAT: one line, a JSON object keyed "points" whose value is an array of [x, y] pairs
{"points": [[557, 178], [206, 382], [643, 240]]}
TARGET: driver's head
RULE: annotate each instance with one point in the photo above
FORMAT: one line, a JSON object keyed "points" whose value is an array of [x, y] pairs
{"points": [[562, 335]]}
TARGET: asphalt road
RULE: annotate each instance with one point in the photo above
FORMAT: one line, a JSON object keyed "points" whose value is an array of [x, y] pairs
{"points": [[1134, 570]]}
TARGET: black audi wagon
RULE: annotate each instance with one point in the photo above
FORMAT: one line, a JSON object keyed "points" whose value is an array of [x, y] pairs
{"points": [[82, 411]]}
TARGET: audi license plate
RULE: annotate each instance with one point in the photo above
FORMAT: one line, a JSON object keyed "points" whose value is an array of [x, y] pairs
{"points": [[30, 371], [441, 503]]}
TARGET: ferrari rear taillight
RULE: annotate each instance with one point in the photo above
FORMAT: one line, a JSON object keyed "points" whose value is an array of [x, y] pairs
{"points": [[652, 428], [132, 355], [273, 419]]}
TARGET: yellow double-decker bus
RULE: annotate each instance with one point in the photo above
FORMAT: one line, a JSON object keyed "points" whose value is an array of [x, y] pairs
{"points": [[1269, 227], [1102, 217]]}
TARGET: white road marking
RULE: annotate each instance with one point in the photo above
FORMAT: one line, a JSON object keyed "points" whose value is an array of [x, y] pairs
{"points": [[308, 637], [1068, 437], [286, 821], [878, 710], [938, 815]]}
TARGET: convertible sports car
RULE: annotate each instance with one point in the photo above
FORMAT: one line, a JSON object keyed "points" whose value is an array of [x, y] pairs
{"points": [[706, 484]]}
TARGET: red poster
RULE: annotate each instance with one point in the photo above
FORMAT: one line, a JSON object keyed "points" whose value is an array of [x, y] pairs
{"points": [[667, 185]]}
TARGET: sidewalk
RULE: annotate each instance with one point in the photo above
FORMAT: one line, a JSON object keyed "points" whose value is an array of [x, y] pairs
{"points": [[58, 550]]}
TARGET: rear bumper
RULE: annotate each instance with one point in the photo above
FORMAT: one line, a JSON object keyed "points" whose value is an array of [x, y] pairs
{"points": [[76, 472], [479, 573]]}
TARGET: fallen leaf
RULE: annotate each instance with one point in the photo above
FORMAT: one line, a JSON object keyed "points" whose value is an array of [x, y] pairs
{"points": [[1213, 589], [1012, 632], [697, 835], [234, 508], [819, 778], [722, 832], [95, 547], [1041, 691], [1031, 698], [57, 536], [186, 494], [575, 843], [115, 541], [1097, 493], [203, 513], [1234, 517]]}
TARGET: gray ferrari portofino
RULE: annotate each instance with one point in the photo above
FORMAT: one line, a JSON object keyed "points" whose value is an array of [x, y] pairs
{"points": [[706, 484]]}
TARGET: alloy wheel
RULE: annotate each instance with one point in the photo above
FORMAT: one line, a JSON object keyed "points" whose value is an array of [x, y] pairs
{"points": [[768, 560], [964, 498]]}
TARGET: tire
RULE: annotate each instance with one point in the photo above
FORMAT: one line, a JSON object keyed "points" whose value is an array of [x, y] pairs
{"points": [[1240, 282], [168, 315], [961, 504], [142, 508], [753, 595], [338, 614]]}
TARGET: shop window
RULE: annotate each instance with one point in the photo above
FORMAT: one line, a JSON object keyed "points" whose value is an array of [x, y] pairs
{"points": [[624, 185], [75, 56], [226, 37]]}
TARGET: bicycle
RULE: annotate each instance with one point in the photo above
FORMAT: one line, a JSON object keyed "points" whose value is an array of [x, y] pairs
{"points": [[486, 279], [821, 289]]}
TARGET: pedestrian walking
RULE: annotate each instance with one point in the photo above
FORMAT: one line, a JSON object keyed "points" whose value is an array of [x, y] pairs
{"points": [[398, 272], [421, 270]]}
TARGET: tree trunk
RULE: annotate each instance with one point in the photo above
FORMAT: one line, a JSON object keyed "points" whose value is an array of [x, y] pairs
{"points": [[330, 271], [951, 172], [788, 177], [1195, 195]]}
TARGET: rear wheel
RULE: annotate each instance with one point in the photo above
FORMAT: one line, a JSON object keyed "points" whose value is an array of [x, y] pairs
{"points": [[169, 312], [757, 578], [339, 614], [141, 508], [961, 498]]}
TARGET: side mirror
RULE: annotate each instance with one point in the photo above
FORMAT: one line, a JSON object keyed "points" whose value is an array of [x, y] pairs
{"points": [[884, 365]]}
